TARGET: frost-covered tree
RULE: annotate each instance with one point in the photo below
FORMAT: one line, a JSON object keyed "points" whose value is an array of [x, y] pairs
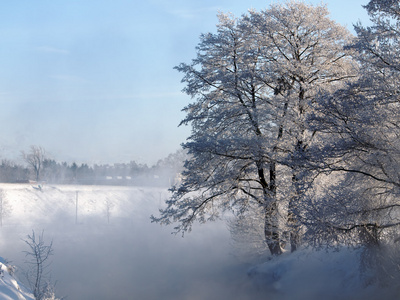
{"points": [[38, 275], [304, 55], [362, 206], [253, 84]]}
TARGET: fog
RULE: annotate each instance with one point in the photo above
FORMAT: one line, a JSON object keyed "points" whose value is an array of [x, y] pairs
{"points": [[105, 247], [129, 257]]}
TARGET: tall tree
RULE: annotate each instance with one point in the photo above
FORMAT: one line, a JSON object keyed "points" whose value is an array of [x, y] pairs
{"points": [[303, 52], [364, 148], [253, 83], [35, 158]]}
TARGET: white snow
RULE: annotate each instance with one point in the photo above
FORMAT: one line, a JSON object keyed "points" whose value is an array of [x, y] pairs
{"points": [[10, 289]]}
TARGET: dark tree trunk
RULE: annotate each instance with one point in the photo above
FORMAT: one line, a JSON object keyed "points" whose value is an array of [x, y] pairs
{"points": [[271, 230], [292, 220]]}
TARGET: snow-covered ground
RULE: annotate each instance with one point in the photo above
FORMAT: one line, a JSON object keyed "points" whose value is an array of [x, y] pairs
{"points": [[106, 248], [10, 288]]}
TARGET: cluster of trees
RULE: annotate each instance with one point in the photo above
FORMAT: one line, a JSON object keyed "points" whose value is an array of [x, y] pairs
{"points": [[39, 167], [295, 121]]}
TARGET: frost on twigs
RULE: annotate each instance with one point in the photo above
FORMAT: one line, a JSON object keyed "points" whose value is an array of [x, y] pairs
{"points": [[253, 84], [38, 273]]}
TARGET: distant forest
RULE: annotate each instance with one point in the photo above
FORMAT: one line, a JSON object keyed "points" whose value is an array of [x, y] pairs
{"points": [[164, 173]]}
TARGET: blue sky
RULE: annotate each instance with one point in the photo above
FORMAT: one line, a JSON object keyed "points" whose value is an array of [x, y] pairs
{"points": [[93, 80]]}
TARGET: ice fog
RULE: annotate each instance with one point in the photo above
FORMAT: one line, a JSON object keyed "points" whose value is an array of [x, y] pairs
{"points": [[108, 249]]}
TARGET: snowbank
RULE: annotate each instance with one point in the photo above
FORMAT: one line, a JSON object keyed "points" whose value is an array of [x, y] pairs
{"points": [[10, 288]]}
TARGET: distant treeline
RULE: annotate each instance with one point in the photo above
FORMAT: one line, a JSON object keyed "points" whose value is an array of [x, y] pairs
{"points": [[164, 172]]}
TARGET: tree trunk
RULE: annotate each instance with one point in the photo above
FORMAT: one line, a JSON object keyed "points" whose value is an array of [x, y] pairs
{"points": [[293, 224], [292, 221], [37, 173], [271, 230], [294, 228]]}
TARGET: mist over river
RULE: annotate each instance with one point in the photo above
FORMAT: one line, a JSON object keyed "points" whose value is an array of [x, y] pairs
{"points": [[105, 246]]}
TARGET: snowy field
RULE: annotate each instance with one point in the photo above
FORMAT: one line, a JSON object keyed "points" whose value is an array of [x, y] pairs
{"points": [[106, 248]]}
